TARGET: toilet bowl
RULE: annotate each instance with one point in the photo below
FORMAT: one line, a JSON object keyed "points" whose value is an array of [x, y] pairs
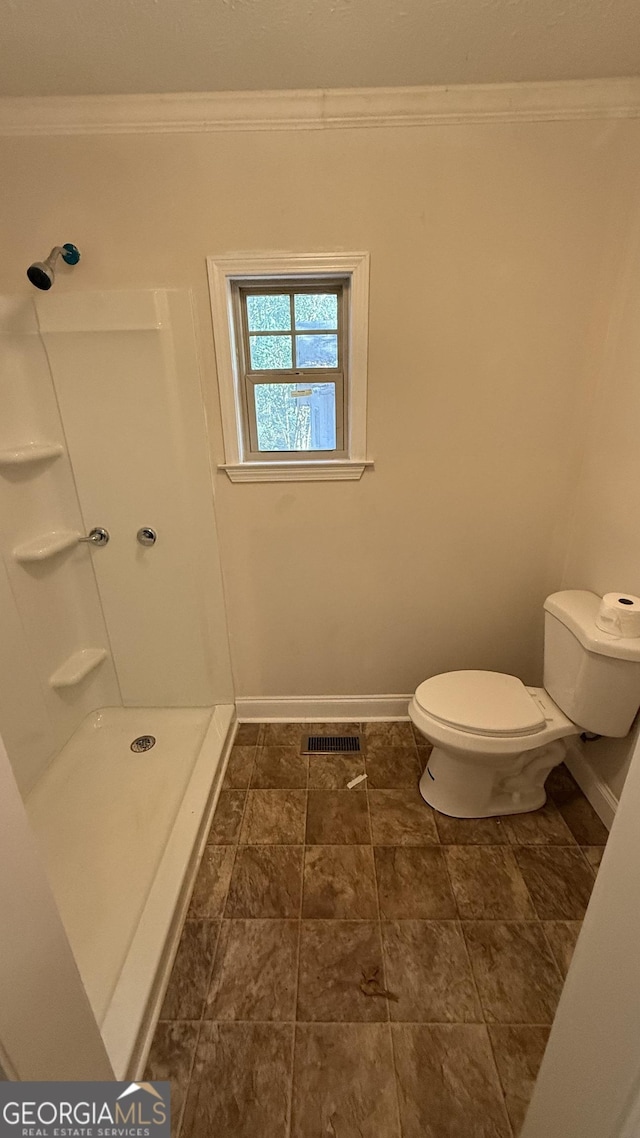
{"points": [[495, 740]]}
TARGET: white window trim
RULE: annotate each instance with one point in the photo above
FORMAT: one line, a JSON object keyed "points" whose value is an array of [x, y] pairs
{"points": [[223, 272]]}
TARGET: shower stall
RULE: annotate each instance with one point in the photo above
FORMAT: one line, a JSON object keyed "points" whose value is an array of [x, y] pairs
{"points": [[116, 698]]}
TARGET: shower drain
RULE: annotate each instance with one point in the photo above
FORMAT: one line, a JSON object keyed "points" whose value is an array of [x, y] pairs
{"points": [[143, 743]]}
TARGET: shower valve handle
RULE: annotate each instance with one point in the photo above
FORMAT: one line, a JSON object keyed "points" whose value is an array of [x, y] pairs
{"points": [[97, 536]]}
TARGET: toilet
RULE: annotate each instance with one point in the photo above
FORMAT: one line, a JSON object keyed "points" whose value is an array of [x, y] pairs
{"points": [[495, 739]]}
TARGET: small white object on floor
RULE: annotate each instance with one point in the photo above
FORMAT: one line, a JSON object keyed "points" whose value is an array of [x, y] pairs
{"points": [[355, 781]]}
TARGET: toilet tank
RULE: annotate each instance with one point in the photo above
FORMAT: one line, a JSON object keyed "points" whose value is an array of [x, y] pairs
{"points": [[592, 676]]}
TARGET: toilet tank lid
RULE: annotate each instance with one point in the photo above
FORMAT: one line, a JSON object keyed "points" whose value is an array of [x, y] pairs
{"points": [[482, 703], [577, 609]]}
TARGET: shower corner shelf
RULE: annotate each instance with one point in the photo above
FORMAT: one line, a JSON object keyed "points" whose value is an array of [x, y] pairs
{"points": [[30, 454], [48, 545], [79, 665]]}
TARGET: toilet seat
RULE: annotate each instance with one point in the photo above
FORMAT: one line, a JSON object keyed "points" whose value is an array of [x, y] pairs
{"points": [[476, 745], [481, 703]]}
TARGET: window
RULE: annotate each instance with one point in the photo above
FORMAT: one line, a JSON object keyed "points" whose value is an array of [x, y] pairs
{"points": [[291, 336], [291, 365]]}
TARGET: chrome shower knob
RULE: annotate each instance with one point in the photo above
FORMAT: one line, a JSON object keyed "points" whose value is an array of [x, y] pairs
{"points": [[97, 536], [147, 536]]}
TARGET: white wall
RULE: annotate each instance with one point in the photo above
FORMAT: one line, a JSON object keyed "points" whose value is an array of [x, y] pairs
{"points": [[126, 377], [494, 251], [589, 1081], [47, 1028], [48, 609], [604, 548], [111, 379]]}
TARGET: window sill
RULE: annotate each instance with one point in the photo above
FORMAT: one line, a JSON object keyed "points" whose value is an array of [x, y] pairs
{"points": [[315, 470]]}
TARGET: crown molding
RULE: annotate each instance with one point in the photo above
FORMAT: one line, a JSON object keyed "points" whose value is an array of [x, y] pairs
{"points": [[319, 109]]}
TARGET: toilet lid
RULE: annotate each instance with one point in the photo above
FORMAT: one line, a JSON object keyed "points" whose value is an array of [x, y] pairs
{"points": [[482, 703]]}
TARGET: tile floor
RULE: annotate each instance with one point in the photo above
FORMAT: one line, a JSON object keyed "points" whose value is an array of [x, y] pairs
{"points": [[353, 964]]}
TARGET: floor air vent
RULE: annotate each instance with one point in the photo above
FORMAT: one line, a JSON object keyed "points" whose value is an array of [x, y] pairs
{"points": [[331, 744]]}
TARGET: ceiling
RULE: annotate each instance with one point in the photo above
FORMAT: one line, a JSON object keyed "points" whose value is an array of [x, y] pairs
{"points": [[74, 47]]}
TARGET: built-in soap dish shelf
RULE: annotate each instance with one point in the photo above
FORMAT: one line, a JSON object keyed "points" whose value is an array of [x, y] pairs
{"points": [[46, 546], [79, 665], [30, 454]]}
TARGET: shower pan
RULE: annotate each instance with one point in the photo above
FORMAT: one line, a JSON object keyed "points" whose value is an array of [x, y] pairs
{"points": [[116, 699]]}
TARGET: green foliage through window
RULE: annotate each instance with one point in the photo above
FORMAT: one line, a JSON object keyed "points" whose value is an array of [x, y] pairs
{"points": [[295, 416], [285, 332]]}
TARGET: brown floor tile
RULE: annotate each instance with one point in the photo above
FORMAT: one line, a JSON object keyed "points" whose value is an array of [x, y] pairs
{"points": [[330, 728], [339, 883], [279, 768], [274, 817], [518, 1053], [420, 739], [247, 735], [344, 1069], [189, 980], [227, 818], [343, 1082], [427, 967], [241, 1082], [577, 811], [212, 882], [337, 818], [413, 883], [593, 855], [254, 976], [333, 772], [471, 831], [170, 1060], [543, 827], [401, 818], [447, 1082], [585, 825], [282, 734], [558, 879], [487, 883], [517, 978], [266, 882], [239, 767], [562, 937], [382, 733], [393, 768], [335, 958]]}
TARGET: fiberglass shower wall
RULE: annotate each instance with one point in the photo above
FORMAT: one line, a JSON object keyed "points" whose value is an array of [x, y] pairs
{"points": [[102, 424]]}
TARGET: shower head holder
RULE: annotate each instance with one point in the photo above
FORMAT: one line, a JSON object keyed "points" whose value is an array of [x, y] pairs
{"points": [[70, 254]]}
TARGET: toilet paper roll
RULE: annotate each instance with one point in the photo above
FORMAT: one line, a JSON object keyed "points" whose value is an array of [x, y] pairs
{"points": [[619, 615]]}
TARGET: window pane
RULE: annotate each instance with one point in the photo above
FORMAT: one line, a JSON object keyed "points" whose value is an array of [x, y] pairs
{"points": [[316, 351], [316, 310], [268, 313], [270, 352], [296, 416]]}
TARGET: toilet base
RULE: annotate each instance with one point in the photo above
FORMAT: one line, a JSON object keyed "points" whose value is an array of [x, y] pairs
{"points": [[466, 786]]}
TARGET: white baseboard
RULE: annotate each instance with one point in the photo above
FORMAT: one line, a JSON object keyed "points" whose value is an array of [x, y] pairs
{"points": [[321, 709], [600, 796]]}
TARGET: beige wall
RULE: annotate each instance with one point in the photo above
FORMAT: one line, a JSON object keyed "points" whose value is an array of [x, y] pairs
{"points": [[604, 548], [494, 249]]}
